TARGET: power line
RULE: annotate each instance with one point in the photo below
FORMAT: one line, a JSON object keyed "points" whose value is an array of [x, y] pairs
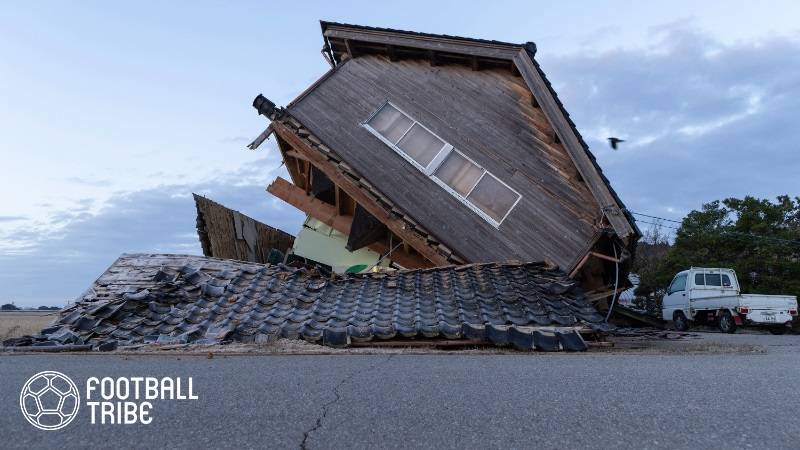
{"points": [[655, 217], [729, 233]]}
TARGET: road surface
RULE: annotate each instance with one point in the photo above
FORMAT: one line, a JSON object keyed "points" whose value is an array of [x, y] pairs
{"points": [[597, 400]]}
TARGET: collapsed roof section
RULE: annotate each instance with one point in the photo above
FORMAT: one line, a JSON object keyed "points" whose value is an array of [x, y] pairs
{"points": [[458, 147], [173, 299], [229, 234]]}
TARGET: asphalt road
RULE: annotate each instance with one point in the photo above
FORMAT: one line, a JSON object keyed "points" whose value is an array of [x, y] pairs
{"points": [[669, 400]]}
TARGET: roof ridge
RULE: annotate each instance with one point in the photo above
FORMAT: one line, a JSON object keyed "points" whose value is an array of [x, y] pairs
{"points": [[324, 24]]}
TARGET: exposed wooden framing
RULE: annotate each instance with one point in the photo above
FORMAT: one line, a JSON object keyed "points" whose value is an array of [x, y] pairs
{"points": [[396, 225], [318, 209], [476, 65], [308, 175], [432, 58], [579, 262], [296, 155], [348, 44], [328, 215], [607, 258], [291, 163], [260, 139], [439, 44], [572, 144], [300, 172], [392, 53], [337, 199], [579, 266]]}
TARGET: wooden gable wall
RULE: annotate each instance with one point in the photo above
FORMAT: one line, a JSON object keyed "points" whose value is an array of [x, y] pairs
{"points": [[488, 115]]}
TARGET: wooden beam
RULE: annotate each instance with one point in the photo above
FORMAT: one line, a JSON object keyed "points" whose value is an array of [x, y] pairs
{"points": [[351, 52], [291, 164], [607, 258], [328, 215], [476, 65], [432, 58], [300, 172], [346, 183], [318, 209], [308, 176], [337, 199], [296, 155], [566, 134], [392, 53], [579, 266]]}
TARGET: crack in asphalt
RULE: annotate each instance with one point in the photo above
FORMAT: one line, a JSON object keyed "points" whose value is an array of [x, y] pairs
{"points": [[337, 397]]}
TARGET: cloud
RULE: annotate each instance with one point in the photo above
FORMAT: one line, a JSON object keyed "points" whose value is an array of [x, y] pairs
{"points": [[12, 218], [89, 182], [703, 120], [52, 268]]}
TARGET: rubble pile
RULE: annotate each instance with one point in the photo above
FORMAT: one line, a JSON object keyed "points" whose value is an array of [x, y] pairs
{"points": [[175, 299]]}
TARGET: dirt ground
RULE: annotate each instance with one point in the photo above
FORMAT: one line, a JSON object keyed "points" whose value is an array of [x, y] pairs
{"points": [[21, 323]]}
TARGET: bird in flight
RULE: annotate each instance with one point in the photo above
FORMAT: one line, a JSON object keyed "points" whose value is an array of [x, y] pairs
{"points": [[614, 141]]}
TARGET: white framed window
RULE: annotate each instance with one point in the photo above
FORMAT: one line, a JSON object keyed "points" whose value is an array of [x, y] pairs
{"points": [[455, 172]]}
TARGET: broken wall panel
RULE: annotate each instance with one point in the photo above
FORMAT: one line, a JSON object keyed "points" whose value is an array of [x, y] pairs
{"points": [[228, 234]]}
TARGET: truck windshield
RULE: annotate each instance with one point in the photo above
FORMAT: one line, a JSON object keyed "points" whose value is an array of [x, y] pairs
{"points": [[678, 284]]}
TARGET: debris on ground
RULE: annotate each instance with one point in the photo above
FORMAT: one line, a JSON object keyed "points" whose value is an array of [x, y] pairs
{"points": [[177, 299]]}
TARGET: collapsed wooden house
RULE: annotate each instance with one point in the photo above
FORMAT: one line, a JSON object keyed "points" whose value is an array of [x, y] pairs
{"points": [[433, 150]]}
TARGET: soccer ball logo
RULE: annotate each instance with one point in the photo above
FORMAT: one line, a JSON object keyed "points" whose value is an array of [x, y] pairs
{"points": [[49, 400]]}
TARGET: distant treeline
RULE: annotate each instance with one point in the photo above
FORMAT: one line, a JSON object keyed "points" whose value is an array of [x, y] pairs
{"points": [[13, 307]]}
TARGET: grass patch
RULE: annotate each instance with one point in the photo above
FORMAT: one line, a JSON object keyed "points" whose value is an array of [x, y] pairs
{"points": [[16, 324]]}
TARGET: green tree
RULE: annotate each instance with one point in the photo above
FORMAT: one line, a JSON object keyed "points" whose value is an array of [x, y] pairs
{"points": [[652, 248], [758, 238]]}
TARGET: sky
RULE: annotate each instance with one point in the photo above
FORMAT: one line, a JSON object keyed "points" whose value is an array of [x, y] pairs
{"points": [[113, 114]]}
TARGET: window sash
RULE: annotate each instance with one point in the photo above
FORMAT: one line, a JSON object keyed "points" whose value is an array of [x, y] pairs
{"points": [[437, 161]]}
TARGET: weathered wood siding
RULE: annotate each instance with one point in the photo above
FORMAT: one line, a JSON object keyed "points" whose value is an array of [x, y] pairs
{"points": [[488, 115], [228, 234]]}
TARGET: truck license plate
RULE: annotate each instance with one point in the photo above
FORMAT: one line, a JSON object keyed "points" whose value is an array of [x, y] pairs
{"points": [[768, 318]]}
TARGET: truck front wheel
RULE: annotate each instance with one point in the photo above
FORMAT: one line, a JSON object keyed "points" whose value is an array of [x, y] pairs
{"points": [[726, 323], [681, 323]]}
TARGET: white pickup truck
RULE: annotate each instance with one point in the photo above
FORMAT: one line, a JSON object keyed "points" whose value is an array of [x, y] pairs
{"points": [[705, 296]]}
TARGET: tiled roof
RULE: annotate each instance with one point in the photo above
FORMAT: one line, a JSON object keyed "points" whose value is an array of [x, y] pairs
{"points": [[190, 299]]}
